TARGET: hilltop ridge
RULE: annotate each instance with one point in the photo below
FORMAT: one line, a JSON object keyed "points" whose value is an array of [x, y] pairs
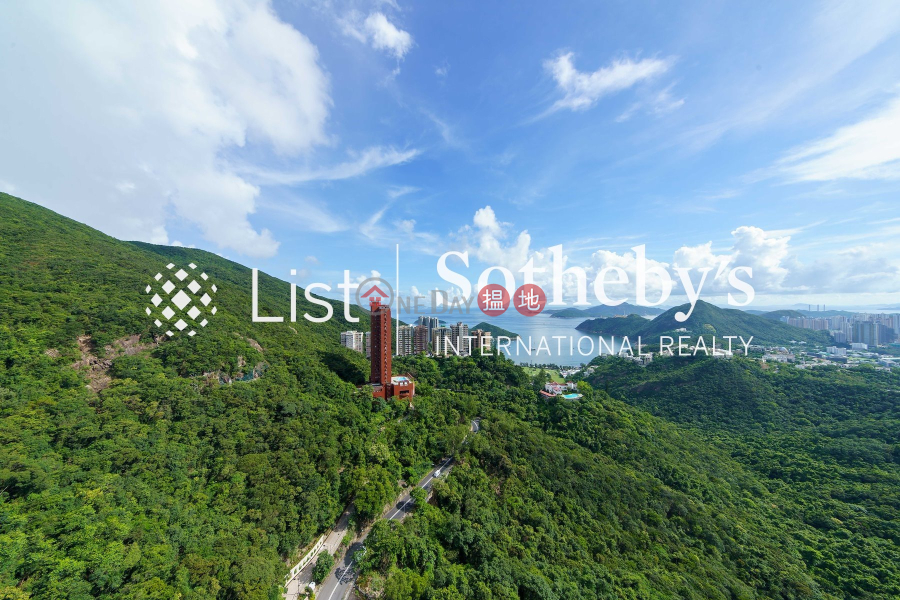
{"points": [[707, 319]]}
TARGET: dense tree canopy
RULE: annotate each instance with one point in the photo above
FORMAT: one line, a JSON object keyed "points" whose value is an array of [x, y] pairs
{"points": [[198, 468]]}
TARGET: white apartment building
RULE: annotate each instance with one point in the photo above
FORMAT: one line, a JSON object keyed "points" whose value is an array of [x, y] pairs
{"points": [[405, 335], [354, 340], [459, 338], [439, 340]]}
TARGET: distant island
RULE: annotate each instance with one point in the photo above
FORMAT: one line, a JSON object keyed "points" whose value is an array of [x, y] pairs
{"points": [[495, 331], [618, 326], [605, 311]]}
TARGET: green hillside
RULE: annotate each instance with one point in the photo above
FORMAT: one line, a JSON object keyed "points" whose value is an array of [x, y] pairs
{"points": [[164, 479], [618, 326], [134, 466], [709, 320], [495, 331], [605, 311], [825, 441], [776, 315]]}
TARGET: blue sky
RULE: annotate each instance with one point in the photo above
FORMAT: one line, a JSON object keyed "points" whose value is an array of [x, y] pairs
{"points": [[315, 136]]}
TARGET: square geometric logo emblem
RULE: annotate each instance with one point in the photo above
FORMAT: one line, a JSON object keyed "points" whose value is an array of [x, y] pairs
{"points": [[181, 302]]}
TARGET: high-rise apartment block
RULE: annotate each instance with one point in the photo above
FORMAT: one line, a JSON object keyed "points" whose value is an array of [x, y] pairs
{"points": [[353, 340], [420, 339], [459, 336], [405, 335], [430, 324], [481, 342], [383, 384], [866, 332], [440, 339]]}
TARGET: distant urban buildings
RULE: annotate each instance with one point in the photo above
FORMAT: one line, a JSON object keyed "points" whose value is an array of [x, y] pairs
{"points": [[440, 339], [481, 341], [420, 339], [430, 324], [454, 340], [355, 340], [865, 328], [405, 340], [459, 334], [429, 337]]}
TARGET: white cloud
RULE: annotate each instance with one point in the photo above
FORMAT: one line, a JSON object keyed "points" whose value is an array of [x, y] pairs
{"points": [[447, 133], [486, 240], [397, 191], [385, 36], [307, 215], [360, 163], [372, 274], [123, 111], [778, 268], [869, 149], [658, 103], [383, 234], [377, 31], [582, 89]]}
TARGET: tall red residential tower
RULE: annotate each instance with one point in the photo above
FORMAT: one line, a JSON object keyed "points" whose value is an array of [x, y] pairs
{"points": [[383, 384], [381, 342]]}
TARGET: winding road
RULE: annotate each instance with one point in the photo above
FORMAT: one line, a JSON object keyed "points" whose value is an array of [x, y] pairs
{"points": [[339, 583]]}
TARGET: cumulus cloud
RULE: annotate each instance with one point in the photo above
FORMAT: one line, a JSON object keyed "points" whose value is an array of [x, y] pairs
{"points": [[868, 149], [486, 238], [372, 274], [124, 112], [776, 265], [581, 89], [377, 31]]}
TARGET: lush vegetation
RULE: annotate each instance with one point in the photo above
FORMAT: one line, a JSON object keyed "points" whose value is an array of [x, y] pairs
{"points": [[133, 467], [605, 311], [824, 441], [323, 566], [495, 330], [707, 320], [166, 482], [584, 499], [617, 326]]}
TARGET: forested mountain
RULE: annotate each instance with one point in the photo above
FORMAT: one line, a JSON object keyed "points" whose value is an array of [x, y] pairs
{"points": [[825, 441], [171, 477], [618, 326], [140, 467], [495, 330], [605, 311], [708, 320]]}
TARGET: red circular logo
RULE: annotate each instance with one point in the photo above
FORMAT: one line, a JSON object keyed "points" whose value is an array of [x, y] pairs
{"points": [[529, 300], [493, 299]]}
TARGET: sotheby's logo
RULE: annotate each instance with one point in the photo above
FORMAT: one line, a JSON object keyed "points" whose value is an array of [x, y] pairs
{"points": [[182, 306]]}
